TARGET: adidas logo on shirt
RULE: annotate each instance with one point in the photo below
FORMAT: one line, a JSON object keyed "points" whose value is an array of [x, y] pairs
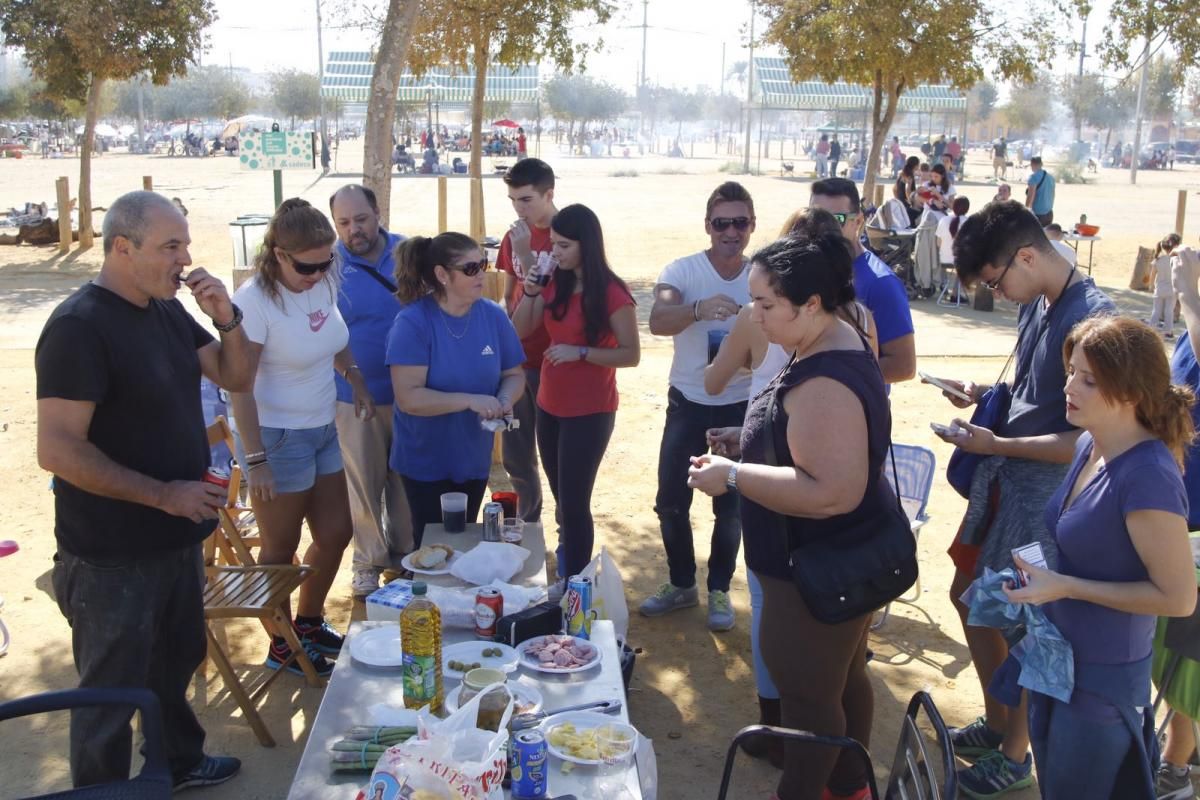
{"points": [[487, 351]]}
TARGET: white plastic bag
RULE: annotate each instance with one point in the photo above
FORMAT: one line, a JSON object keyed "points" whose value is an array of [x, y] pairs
{"points": [[450, 758], [489, 561], [458, 605], [608, 592]]}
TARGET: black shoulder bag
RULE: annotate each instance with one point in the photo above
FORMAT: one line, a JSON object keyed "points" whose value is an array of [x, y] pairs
{"points": [[860, 568], [378, 276]]}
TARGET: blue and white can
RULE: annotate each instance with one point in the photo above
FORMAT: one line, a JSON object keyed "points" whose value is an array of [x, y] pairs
{"points": [[528, 761]]}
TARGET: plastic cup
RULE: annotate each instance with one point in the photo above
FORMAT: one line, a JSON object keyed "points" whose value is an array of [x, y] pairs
{"points": [[513, 530], [454, 512]]}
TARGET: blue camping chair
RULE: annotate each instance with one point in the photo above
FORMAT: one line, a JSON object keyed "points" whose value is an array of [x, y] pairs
{"points": [[152, 783], [912, 482]]}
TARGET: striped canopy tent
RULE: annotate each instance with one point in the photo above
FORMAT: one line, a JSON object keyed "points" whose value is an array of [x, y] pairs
{"points": [[775, 89], [348, 76]]}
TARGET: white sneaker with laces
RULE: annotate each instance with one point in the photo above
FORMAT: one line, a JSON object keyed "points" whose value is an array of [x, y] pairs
{"points": [[365, 581]]}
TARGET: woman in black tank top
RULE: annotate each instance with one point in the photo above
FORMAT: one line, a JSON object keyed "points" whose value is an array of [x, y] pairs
{"points": [[831, 428]]}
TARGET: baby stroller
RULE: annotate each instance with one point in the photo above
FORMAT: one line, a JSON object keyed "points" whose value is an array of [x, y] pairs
{"points": [[890, 238]]}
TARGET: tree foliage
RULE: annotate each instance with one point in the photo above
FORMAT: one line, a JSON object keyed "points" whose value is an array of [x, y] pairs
{"points": [[981, 100], [1029, 105], [896, 45], [75, 46], [203, 92], [296, 94], [482, 32], [1102, 106], [583, 99], [1162, 22]]}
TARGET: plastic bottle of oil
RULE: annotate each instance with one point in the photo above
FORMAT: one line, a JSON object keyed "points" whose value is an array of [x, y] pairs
{"points": [[421, 651]]}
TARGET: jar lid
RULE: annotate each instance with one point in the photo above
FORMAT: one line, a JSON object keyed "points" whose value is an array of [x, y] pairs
{"points": [[482, 677]]}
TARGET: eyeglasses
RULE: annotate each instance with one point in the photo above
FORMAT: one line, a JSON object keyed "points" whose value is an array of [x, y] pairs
{"points": [[840, 217], [721, 224], [305, 268], [472, 268], [994, 285]]}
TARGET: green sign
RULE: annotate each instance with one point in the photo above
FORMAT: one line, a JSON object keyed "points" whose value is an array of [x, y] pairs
{"points": [[276, 150]]}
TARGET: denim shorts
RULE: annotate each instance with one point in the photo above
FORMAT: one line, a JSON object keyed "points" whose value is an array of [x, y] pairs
{"points": [[298, 456]]}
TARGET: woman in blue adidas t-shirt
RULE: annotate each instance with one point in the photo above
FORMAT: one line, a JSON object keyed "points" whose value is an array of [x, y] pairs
{"points": [[456, 362]]}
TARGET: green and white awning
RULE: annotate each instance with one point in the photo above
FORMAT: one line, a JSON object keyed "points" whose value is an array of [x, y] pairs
{"points": [[348, 76], [774, 88]]}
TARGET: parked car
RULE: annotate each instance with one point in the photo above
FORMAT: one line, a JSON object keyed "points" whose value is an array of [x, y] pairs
{"points": [[1187, 151]]}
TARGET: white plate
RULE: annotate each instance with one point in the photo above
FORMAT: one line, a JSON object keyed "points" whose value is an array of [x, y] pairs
{"points": [[444, 569], [532, 662], [528, 695], [377, 647], [471, 652], [583, 721]]}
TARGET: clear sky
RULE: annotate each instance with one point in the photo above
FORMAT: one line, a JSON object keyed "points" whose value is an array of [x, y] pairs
{"points": [[684, 41]]}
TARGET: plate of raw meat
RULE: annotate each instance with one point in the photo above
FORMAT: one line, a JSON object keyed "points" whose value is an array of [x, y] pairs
{"points": [[558, 654]]}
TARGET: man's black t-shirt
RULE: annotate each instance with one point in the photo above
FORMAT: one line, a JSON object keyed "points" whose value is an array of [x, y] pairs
{"points": [[1000, 150], [835, 150], [140, 367]]}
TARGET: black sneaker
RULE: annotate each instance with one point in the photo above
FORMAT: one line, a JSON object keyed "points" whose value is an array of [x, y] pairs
{"points": [[209, 772], [323, 637], [277, 654]]}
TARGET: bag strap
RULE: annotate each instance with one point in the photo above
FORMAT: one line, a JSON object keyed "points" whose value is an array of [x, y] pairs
{"points": [[1009, 361], [378, 276]]}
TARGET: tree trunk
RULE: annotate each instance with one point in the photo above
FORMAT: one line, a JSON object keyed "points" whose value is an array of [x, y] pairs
{"points": [[881, 123], [481, 66], [381, 109], [86, 234]]}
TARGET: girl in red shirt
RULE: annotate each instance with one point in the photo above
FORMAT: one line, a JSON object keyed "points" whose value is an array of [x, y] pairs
{"points": [[589, 314]]}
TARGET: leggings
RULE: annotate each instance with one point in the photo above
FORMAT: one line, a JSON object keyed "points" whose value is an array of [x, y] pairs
{"points": [[425, 501], [821, 672], [571, 449]]}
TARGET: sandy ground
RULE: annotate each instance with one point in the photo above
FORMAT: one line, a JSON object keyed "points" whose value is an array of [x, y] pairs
{"points": [[692, 689]]}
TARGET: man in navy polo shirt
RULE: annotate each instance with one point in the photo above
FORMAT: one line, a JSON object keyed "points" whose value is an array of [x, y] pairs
{"points": [[875, 285], [366, 300]]}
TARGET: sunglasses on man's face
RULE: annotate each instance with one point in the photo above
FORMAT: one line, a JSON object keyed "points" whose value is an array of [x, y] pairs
{"points": [[471, 268], [721, 224], [304, 268]]}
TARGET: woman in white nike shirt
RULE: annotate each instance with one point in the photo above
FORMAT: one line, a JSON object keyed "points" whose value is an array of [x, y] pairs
{"points": [[287, 442]]}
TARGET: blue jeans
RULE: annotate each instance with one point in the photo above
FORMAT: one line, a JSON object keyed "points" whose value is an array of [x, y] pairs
{"points": [[762, 678], [1080, 756], [684, 437], [133, 625]]}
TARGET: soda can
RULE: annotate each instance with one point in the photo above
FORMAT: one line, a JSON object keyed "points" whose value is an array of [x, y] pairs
{"points": [[527, 764], [493, 522], [577, 607], [216, 477], [489, 607]]}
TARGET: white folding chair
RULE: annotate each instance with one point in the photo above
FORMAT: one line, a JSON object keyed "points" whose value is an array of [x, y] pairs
{"points": [[912, 482]]}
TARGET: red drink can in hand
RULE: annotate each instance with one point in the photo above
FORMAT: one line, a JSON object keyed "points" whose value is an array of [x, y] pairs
{"points": [[489, 607], [216, 477]]}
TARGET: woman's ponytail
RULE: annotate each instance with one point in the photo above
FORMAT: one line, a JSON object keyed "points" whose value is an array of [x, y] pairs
{"points": [[411, 255], [1173, 421]]}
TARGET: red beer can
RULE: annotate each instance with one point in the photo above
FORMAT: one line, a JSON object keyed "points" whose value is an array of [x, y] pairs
{"points": [[489, 607], [216, 477]]}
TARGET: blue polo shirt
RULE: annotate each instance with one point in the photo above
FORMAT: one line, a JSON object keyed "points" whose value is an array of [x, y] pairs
{"points": [[1043, 202], [880, 289], [369, 311], [1039, 402], [1186, 372], [462, 354]]}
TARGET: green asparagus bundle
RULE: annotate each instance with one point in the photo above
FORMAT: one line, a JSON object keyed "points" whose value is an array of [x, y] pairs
{"points": [[360, 748]]}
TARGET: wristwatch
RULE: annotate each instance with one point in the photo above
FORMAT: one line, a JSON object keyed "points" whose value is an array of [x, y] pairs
{"points": [[731, 478], [233, 323], [583, 351]]}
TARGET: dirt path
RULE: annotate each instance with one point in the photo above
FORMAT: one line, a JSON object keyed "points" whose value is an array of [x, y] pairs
{"points": [[692, 689]]}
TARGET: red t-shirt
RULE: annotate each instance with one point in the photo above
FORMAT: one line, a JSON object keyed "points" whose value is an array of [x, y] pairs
{"points": [[576, 388], [539, 242]]}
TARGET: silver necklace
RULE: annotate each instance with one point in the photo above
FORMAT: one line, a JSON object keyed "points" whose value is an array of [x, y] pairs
{"points": [[450, 330]]}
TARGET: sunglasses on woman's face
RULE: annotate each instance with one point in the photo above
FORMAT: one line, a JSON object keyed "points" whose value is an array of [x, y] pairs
{"points": [[304, 268], [472, 268], [721, 224]]}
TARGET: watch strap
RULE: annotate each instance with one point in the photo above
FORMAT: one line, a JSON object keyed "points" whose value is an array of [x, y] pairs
{"points": [[233, 323]]}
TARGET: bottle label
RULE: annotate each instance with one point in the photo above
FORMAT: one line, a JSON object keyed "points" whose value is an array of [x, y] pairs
{"points": [[420, 677]]}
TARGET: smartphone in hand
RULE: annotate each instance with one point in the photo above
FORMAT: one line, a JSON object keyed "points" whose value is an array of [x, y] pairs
{"points": [[945, 387]]}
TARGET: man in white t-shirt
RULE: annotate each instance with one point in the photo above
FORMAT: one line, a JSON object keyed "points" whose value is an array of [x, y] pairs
{"points": [[696, 301]]}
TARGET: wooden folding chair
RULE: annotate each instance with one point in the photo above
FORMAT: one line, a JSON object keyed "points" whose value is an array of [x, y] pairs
{"points": [[236, 531], [255, 592]]}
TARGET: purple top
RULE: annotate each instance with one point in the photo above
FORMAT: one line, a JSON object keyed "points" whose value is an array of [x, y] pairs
{"points": [[1094, 544]]}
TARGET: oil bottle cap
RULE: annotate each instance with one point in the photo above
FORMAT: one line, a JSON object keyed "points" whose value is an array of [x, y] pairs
{"points": [[419, 588]]}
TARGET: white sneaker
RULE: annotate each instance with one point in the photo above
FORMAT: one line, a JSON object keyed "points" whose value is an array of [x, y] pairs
{"points": [[365, 581]]}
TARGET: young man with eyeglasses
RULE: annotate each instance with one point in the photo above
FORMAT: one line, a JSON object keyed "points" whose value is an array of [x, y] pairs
{"points": [[365, 255], [530, 185], [696, 300], [876, 286], [1027, 456]]}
